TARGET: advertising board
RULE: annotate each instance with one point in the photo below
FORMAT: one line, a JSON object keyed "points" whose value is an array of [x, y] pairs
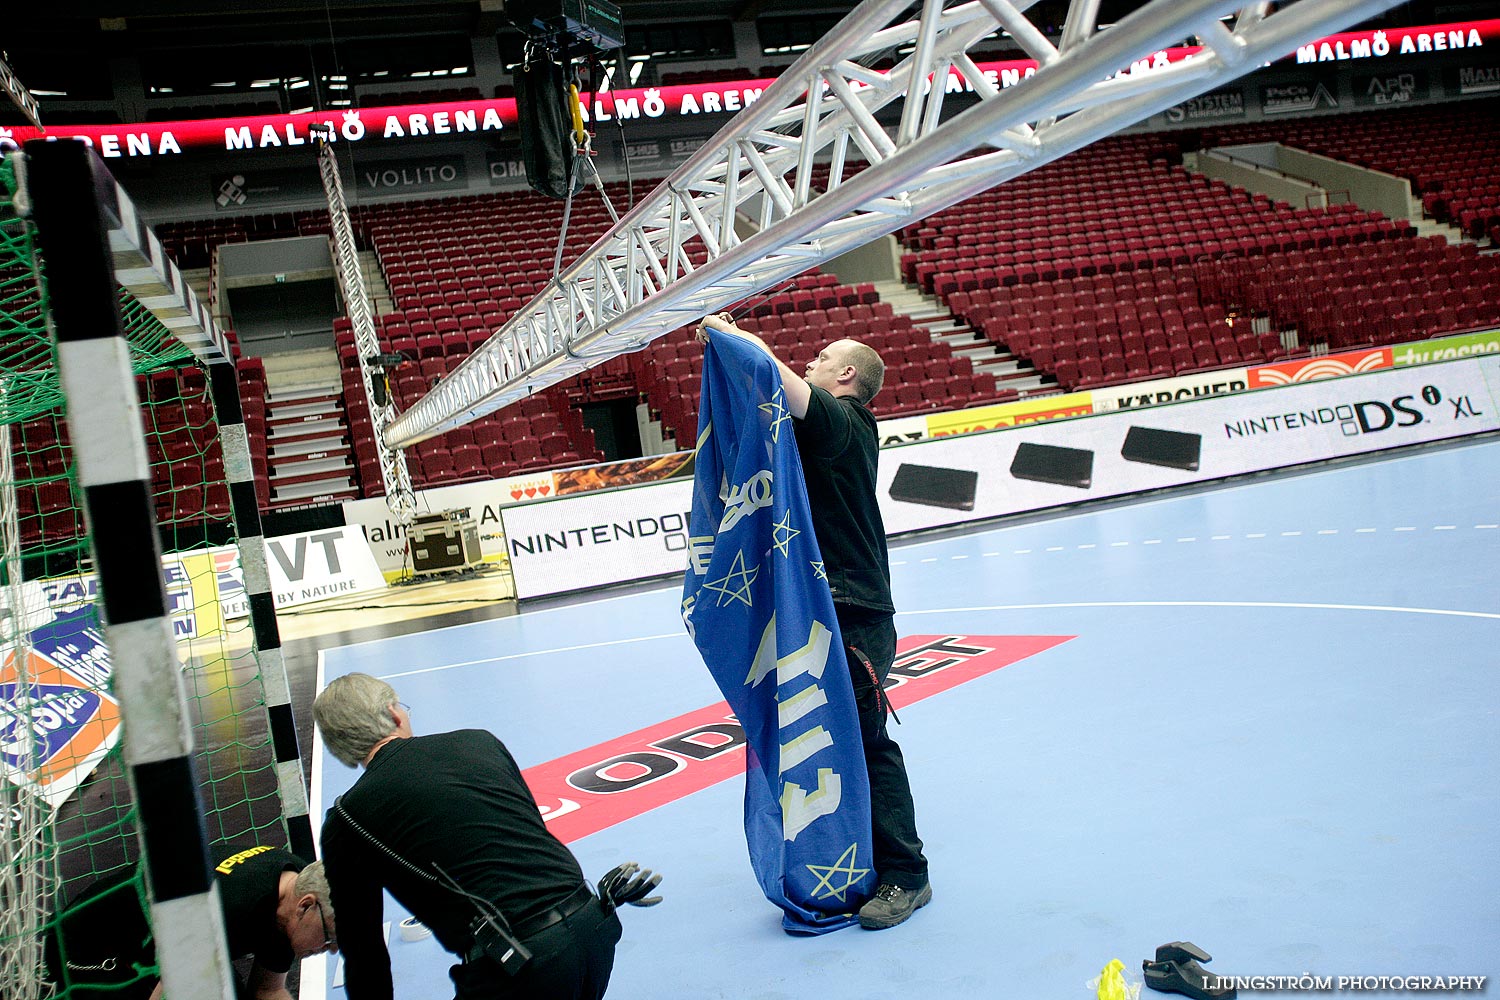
{"points": [[598, 539]]}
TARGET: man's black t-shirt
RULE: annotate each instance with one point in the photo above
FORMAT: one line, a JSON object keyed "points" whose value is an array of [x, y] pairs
{"points": [[455, 801], [249, 887], [840, 448], [106, 932]]}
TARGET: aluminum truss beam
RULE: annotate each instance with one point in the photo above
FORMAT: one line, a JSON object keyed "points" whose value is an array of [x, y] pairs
{"points": [[676, 257], [393, 472], [19, 95]]}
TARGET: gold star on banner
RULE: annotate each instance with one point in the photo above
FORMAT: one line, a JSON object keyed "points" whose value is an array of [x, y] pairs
{"points": [[843, 866], [779, 414], [783, 533], [732, 592], [819, 572]]}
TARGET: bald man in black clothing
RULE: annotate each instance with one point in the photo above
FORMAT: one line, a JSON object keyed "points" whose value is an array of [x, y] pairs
{"points": [[837, 440], [448, 826]]}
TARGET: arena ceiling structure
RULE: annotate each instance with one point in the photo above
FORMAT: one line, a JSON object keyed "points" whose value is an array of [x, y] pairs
{"points": [[65, 50], [677, 255]]}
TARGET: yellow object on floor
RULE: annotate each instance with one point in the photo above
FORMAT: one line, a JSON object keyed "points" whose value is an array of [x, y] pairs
{"points": [[1112, 985]]}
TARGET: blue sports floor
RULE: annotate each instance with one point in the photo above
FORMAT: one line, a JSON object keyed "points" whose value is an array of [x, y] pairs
{"points": [[1273, 734]]}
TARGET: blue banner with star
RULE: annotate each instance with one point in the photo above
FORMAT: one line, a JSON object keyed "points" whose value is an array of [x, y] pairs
{"points": [[757, 604]]}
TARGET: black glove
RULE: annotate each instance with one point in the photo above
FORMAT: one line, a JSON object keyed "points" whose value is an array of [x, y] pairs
{"points": [[619, 887]]}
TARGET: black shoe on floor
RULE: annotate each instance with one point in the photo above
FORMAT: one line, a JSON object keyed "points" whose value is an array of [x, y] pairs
{"points": [[1177, 970], [892, 905]]}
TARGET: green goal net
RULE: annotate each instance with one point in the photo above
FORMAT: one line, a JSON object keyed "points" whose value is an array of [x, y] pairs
{"points": [[67, 821]]}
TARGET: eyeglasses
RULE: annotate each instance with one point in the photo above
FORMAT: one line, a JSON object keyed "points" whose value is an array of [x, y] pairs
{"points": [[329, 944]]}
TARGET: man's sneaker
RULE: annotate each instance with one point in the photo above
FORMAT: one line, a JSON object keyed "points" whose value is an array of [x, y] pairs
{"points": [[891, 905]]}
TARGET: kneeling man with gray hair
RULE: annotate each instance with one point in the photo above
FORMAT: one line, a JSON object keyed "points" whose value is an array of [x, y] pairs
{"points": [[448, 826]]}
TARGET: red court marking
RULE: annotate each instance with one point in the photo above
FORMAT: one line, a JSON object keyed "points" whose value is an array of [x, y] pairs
{"points": [[925, 665]]}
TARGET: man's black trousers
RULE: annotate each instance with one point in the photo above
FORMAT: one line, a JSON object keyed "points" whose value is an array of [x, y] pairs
{"points": [[571, 960], [898, 849]]}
